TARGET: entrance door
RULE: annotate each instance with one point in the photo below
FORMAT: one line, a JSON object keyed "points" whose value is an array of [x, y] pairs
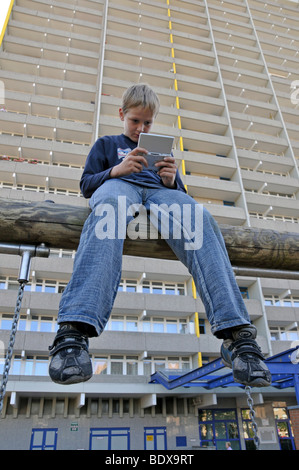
{"points": [[155, 438], [216, 427], [284, 429]]}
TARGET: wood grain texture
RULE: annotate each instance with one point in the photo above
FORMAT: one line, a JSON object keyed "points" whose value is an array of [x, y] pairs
{"points": [[60, 226]]}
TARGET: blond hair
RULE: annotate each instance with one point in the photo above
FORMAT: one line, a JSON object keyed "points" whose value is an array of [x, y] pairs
{"points": [[140, 95]]}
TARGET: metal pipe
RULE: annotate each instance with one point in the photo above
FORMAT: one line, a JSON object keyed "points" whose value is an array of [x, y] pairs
{"points": [[27, 252], [14, 249], [270, 273], [24, 271]]}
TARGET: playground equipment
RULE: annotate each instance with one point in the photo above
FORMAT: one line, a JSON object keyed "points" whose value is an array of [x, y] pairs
{"points": [[31, 229]]}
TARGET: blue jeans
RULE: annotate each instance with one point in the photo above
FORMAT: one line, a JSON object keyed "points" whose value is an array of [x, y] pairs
{"points": [[90, 294]]}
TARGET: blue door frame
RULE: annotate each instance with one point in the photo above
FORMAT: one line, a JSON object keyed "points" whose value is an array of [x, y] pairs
{"points": [[108, 434], [43, 439], [155, 438], [216, 430]]}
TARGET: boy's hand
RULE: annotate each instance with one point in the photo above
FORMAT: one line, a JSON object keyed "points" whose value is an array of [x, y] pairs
{"points": [[132, 163], [167, 171]]}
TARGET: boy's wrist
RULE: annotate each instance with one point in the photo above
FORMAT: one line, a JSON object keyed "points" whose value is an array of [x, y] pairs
{"points": [[113, 172], [169, 184]]}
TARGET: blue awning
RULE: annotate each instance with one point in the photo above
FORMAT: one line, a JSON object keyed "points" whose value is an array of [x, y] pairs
{"points": [[284, 368]]}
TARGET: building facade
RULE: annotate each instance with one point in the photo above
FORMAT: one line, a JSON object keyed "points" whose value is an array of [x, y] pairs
{"points": [[226, 73]]}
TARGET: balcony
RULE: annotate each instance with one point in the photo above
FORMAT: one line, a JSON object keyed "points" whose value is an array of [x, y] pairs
{"points": [[256, 124], [260, 142], [207, 164], [26, 82], [226, 215], [241, 103], [265, 161], [154, 305], [282, 316], [262, 182], [45, 128], [212, 188], [206, 143], [245, 87], [272, 205], [71, 111], [64, 10], [38, 303], [19, 148], [50, 52], [51, 81], [113, 342], [47, 33], [55, 23], [22, 173]]}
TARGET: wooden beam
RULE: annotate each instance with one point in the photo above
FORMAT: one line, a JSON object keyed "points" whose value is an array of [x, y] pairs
{"points": [[60, 226]]}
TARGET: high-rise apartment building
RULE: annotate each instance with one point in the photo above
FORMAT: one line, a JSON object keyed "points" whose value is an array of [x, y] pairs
{"points": [[227, 76]]}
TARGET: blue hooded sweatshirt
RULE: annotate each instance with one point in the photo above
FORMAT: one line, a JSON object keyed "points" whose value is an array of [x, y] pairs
{"points": [[109, 151]]}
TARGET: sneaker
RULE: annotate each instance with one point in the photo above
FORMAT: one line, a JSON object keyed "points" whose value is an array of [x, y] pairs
{"points": [[243, 355], [70, 361]]}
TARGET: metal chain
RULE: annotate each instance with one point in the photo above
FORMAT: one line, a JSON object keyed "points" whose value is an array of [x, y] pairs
{"points": [[11, 343], [252, 417]]}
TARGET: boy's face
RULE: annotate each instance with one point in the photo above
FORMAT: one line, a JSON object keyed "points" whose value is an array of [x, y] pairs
{"points": [[136, 120]]}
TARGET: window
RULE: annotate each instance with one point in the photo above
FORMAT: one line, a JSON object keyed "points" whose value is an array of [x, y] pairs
{"points": [[152, 287], [109, 439], [282, 218], [132, 365], [124, 365], [159, 287], [16, 365], [6, 321], [216, 427], [158, 325], [280, 333], [100, 365], [40, 285], [202, 326], [61, 253], [178, 364], [132, 323], [29, 365], [123, 323], [117, 365], [244, 292], [127, 285], [284, 429], [151, 324], [117, 323], [43, 439], [280, 301], [29, 323], [248, 430], [229, 203], [171, 326], [37, 366]]}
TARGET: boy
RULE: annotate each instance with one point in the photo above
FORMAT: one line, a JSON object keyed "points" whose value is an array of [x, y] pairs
{"points": [[116, 170]]}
